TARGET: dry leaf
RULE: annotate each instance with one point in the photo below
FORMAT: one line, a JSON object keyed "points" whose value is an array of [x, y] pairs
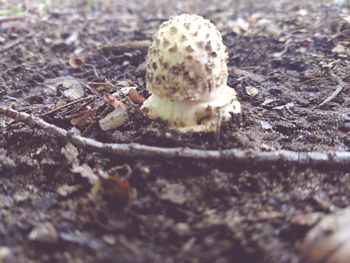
{"points": [[75, 62], [113, 101], [85, 118], [98, 88], [135, 96]]}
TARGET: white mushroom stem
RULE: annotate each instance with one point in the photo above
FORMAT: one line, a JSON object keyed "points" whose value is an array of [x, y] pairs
{"points": [[194, 115]]}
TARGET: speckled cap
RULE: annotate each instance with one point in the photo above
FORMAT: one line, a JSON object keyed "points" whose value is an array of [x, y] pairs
{"points": [[187, 59]]}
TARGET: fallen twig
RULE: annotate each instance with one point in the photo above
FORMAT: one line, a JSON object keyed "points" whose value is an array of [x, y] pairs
{"points": [[68, 105], [234, 156], [340, 87], [15, 42], [241, 72], [120, 48], [5, 19]]}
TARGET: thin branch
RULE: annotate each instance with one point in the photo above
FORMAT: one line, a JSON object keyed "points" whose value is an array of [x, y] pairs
{"points": [[6, 19], [121, 48], [68, 105], [340, 87], [242, 72], [234, 156], [15, 42]]}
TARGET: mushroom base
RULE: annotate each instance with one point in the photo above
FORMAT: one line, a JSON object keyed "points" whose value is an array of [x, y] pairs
{"points": [[195, 116]]}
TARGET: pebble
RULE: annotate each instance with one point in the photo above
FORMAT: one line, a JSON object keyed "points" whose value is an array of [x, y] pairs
{"points": [[44, 233], [113, 120], [183, 229], [21, 196], [5, 254]]}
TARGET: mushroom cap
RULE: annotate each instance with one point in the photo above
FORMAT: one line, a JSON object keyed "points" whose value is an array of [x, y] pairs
{"points": [[187, 59]]}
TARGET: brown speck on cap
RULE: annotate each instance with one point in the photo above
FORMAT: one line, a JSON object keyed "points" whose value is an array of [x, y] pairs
{"points": [[166, 42], [161, 59], [195, 34], [208, 68], [208, 47], [200, 44], [149, 76], [173, 48], [173, 30], [166, 65], [189, 48], [183, 38], [154, 65], [175, 70], [187, 26]]}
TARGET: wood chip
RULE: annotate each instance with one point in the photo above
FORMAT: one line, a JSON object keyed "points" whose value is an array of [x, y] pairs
{"points": [[135, 96]]}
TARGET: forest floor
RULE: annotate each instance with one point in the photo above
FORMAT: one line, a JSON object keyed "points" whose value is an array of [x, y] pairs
{"points": [[286, 58]]}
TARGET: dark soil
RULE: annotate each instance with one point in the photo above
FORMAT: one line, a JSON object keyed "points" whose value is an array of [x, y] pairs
{"points": [[172, 211]]}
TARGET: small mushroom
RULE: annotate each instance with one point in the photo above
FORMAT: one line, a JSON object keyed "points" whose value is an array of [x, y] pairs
{"points": [[187, 76], [329, 240]]}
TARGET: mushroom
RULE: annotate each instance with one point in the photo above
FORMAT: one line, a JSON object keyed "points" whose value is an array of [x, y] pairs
{"points": [[187, 76]]}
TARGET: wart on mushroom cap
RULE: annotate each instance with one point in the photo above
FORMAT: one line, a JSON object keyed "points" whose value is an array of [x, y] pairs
{"points": [[187, 75]]}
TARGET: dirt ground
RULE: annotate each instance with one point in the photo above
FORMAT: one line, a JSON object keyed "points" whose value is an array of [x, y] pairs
{"points": [[284, 60]]}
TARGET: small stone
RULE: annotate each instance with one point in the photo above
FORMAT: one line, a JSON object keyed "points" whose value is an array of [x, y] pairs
{"points": [[75, 92], [109, 239], [44, 233], [21, 196], [265, 125], [5, 254], [65, 190], [183, 229], [114, 120], [175, 193], [251, 91]]}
